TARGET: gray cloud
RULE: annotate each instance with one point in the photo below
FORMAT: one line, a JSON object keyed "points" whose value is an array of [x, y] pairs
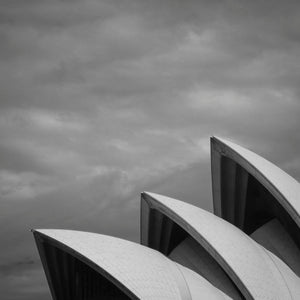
{"points": [[25, 277], [101, 100]]}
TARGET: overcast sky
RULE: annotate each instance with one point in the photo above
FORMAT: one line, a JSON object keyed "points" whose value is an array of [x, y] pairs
{"points": [[100, 100]]}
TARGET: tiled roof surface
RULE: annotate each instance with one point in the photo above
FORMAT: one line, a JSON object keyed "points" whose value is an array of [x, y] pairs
{"points": [[244, 259], [145, 272], [282, 182]]}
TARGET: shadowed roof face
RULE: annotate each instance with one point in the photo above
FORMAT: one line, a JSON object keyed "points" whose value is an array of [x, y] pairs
{"points": [[144, 272], [282, 186], [250, 192], [103, 99], [135, 267], [247, 263]]}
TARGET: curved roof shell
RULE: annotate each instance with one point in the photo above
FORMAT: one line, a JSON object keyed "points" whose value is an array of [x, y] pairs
{"points": [[254, 270], [199, 287], [140, 272], [284, 188]]}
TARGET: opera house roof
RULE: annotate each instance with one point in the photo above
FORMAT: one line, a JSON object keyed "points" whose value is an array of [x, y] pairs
{"points": [[249, 248]]}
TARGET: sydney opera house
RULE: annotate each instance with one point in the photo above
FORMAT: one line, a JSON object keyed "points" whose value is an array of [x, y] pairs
{"points": [[248, 249]]}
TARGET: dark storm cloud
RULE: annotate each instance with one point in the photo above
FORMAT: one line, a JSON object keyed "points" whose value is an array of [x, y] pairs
{"points": [[100, 100]]}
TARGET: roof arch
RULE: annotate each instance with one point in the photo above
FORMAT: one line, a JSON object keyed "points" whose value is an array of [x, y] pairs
{"points": [[248, 264], [136, 271], [257, 197], [236, 163]]}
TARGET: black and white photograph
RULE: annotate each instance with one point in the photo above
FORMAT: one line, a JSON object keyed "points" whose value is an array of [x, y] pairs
{"points": [[149, 149]]}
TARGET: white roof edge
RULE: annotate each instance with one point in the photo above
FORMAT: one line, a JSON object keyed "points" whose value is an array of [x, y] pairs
{"points": [[161, 277], [138, 269], [281, 182], [60, 238], [237, 253]]}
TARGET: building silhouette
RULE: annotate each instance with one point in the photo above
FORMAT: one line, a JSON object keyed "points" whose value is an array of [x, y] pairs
{"points": [[248, 249]]}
